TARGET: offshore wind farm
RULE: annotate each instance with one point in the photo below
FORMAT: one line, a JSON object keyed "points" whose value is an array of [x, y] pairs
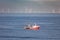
{"points": [[28, 10], [30, 6]]}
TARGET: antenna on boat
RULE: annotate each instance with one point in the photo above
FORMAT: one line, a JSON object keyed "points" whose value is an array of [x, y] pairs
{"points": [[28, 25], [35, 24]]}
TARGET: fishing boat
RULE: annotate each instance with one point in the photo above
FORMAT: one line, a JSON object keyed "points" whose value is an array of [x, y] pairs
{"points": [[33, 27]]}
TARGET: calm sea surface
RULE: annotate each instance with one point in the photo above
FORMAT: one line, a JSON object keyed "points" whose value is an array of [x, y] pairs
{"points": [[12, 28]]}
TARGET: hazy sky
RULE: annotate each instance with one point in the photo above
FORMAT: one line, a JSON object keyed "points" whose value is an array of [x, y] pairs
{"points": [[29, 5]]}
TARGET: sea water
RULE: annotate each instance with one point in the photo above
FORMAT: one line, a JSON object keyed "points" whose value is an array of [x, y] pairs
{"points": [[12, 27]]}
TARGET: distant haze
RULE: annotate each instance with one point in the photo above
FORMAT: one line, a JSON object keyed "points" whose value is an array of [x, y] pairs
{"points": [[30, 6]]}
